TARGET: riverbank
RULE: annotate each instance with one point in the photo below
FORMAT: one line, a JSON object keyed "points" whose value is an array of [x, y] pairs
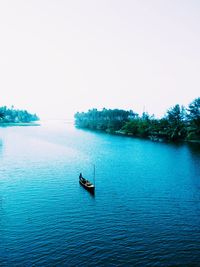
{"points": [[177, 125], [11, 124], [155, 138], [131, 135]]}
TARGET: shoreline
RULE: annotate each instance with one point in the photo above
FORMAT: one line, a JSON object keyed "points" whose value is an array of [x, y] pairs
{"points": [[12, 124], [151, 138]]}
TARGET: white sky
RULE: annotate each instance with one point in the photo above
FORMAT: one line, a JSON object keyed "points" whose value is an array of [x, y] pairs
{"points": [[62, 56]]}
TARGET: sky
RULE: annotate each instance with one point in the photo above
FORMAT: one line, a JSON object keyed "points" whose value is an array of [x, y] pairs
{"points": [[58, 57]]}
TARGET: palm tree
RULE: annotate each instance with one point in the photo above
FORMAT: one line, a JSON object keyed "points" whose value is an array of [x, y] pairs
{"points": [[193, 117], [1, 115], [176, 125]]}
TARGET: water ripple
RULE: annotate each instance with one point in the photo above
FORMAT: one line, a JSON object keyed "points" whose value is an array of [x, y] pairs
{"points": [[146, 211]]}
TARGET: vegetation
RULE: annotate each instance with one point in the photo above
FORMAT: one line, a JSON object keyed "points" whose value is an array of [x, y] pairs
{"points": [[179, 123], [11, 115]]}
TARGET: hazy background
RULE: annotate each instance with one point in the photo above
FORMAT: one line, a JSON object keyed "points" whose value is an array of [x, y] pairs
{"points": [[58, 57]]}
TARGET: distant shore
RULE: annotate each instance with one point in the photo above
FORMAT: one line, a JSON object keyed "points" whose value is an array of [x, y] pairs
{"points": [[16, 117], [152, 138], [11, 124], [179, 124]]}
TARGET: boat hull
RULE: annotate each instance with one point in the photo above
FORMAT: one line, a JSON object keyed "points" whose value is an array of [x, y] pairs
{"points": [[89, 189]]}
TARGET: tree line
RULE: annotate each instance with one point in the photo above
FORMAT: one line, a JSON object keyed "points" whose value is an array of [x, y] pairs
{"points": [[11, 115], [179, 122]]}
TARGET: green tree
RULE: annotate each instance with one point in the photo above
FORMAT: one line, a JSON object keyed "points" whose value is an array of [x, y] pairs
{"points": [[131, 127], [176, 123], [1, 115], [193, 117], [12, 115]]}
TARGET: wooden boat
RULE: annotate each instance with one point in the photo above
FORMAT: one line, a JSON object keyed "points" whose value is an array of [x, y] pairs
{"points": [[87, 184]]}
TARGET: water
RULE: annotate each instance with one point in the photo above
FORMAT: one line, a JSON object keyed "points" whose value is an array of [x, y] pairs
{"points": [[146, 211]]}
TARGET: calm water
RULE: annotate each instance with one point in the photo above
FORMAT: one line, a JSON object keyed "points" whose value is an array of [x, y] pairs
{"points": [[146, 211]]}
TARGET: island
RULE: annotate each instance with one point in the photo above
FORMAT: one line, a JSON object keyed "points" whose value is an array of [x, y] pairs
{"points": [[178, 124], [11, 116]]}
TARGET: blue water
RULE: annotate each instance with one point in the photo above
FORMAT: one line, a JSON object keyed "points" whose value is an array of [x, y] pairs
{"points": [[146, 211]]}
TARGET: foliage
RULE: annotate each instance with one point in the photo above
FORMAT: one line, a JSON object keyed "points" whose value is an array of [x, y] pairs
{"points": [[107, 119], [176, 127], [11, 115], [178, 123], [193, 117]]}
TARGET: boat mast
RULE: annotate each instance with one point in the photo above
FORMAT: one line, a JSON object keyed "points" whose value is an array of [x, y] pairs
{"points": [[94, 174]]}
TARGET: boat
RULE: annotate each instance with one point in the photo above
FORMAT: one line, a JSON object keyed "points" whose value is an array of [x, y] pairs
{"points": [[87, 184]]}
